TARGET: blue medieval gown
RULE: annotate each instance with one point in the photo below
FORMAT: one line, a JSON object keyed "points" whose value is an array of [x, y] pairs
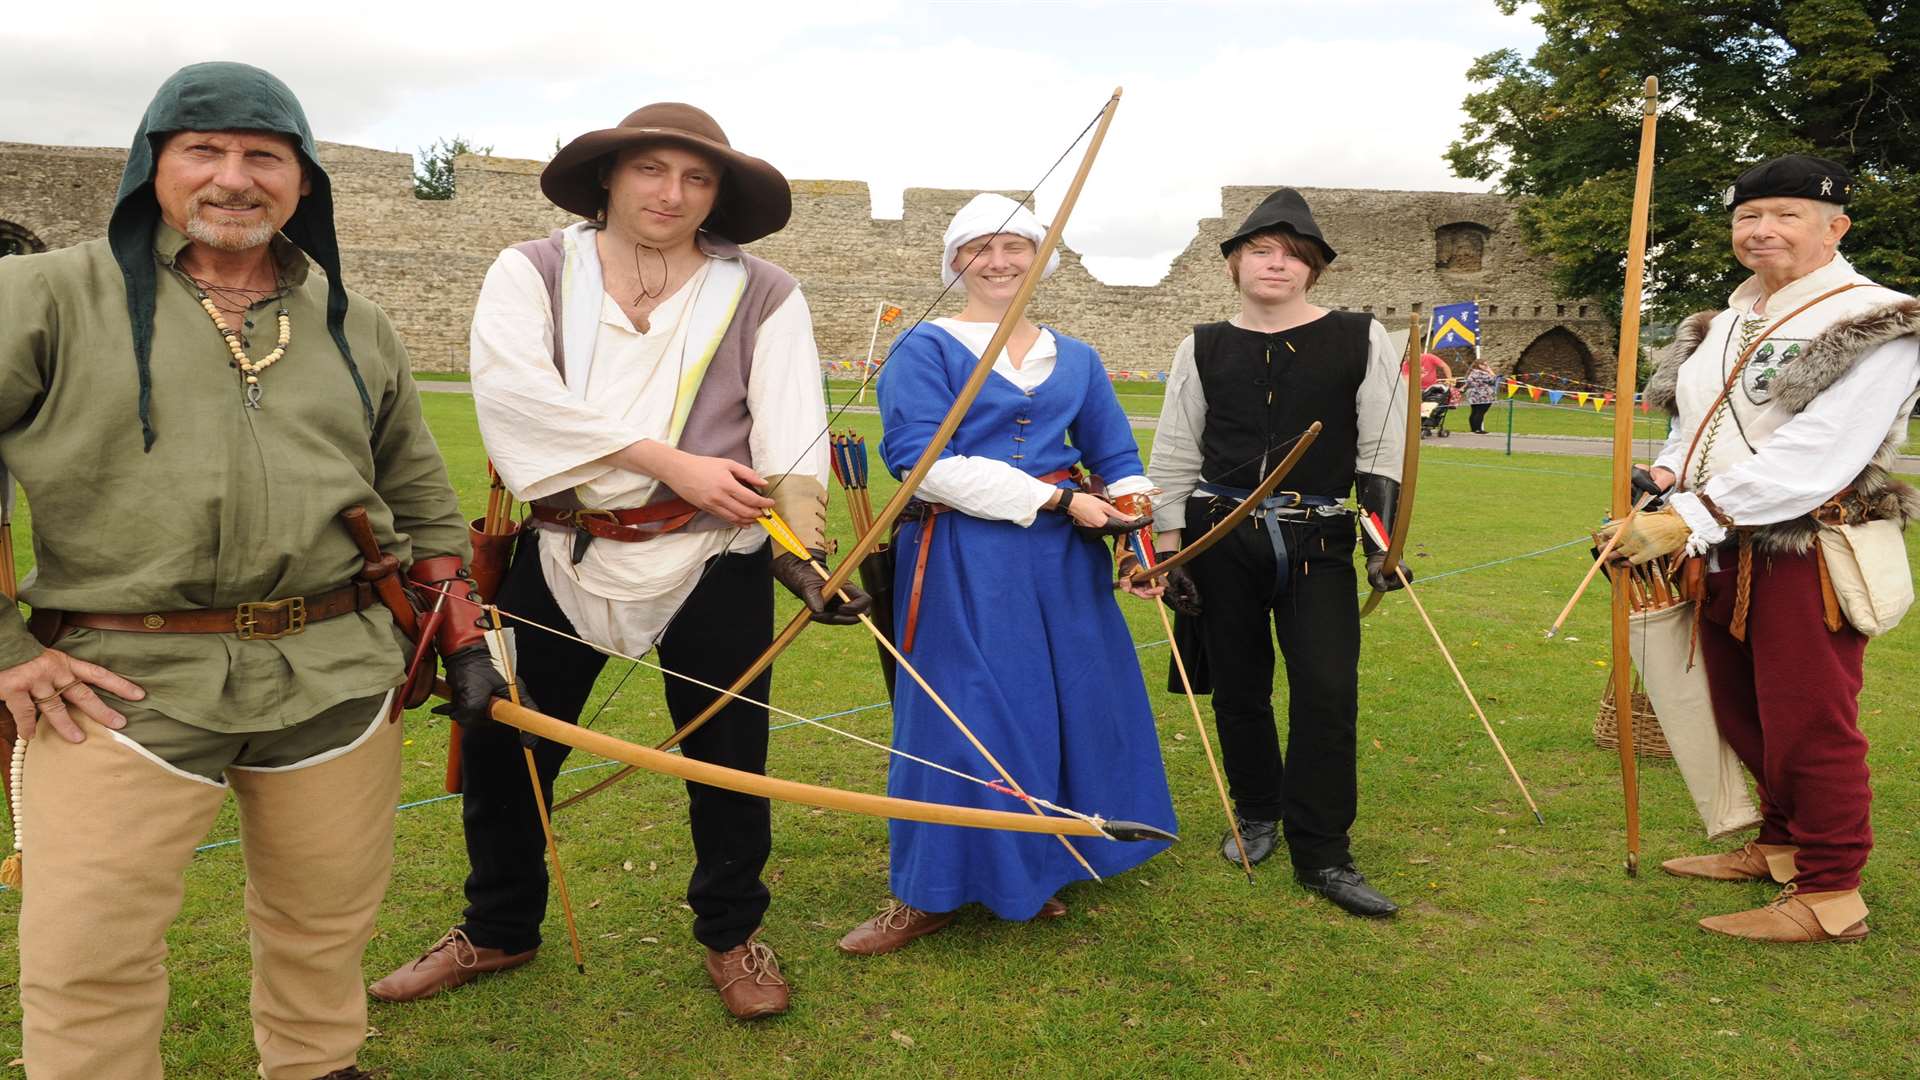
{"points": [[1020, 633]]}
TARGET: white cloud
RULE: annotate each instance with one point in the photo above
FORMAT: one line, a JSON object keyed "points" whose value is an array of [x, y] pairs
{"points": [[930, 95]]}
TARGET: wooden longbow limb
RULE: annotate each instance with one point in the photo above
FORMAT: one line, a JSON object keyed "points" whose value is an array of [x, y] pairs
{"points": [[1367, 522], [1623, 461], [1187, 552], [1409, 466], [961, 403], [1200, 728], [856, 802]]}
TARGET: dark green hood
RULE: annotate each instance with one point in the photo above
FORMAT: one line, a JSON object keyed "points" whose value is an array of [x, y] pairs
{"points": [[220, 96]]}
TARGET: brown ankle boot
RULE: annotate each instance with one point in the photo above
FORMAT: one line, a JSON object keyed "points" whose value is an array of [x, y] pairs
{"points": [[749, 980], [1794, 916], [1753, 862], [453, 961], [895, 926]]}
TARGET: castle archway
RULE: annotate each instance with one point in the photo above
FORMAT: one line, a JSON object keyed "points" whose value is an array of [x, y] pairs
{"points": [[1560, 352], [18, 240]]}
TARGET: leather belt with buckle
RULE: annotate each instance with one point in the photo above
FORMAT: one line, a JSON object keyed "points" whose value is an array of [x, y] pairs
{"points": [[258, 620]]}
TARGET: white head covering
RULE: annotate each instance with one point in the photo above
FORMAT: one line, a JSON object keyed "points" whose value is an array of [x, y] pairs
{"points": [[983, 217]]}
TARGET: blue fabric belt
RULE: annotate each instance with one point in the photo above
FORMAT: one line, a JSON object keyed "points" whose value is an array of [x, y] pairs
{"points": [[1267, 512]]}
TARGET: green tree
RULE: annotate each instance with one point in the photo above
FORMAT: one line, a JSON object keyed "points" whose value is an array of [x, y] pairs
{"points": [[433, 166], [1738, 83]]}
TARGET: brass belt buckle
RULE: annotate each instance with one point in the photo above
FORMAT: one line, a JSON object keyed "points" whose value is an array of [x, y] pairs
{"points": [[247, 618]]}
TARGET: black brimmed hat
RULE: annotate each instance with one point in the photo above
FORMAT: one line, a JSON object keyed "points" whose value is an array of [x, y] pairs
{"points": [[1795, 176], [1284, 209], [754, 201]]}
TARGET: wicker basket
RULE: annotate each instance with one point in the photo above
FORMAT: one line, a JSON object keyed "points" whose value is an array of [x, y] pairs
{"points": [[1647, 738]]}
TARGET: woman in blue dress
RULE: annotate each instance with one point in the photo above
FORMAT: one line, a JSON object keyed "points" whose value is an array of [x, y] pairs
{"points": [[1016, 624]]}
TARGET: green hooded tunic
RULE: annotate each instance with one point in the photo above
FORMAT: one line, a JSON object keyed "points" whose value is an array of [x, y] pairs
{"points": [[154, 488]]}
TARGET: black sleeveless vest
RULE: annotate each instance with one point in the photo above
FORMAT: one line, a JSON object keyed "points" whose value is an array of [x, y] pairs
{"points": [[1264, 389]]}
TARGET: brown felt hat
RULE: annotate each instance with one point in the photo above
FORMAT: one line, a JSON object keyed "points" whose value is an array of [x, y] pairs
{"points": [[754, 198]]}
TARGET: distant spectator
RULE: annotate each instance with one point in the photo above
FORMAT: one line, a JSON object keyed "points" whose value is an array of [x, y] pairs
{"points": [[1481, 385], [1432, 370]]}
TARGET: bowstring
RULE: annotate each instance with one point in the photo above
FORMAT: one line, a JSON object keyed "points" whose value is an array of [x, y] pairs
{"points": [[867, 379], [815, 722]]}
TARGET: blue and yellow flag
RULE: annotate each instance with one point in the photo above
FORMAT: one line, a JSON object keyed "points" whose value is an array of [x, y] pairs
{"points": [[1454, 326]]}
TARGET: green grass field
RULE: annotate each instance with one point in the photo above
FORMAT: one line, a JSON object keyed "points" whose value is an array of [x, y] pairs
{"points": [[1521, 951]]}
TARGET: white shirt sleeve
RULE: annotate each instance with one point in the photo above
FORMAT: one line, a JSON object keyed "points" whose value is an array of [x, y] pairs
{"points": [[986, 488], [1174, 467], [784, 395], [1674, 454], [541, 438], [1381, 408], [1817, 453]]}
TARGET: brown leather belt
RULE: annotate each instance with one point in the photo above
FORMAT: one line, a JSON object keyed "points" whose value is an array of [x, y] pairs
{"points": [[622, 525], [262, 620], [926, 512]]}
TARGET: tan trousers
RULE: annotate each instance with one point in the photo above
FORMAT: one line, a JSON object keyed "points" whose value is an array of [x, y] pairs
{"points": [[109, 834]]}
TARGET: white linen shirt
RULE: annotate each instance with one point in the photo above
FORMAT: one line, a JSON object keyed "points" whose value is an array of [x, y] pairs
{"points": [[1815, 452], [544, 440]]}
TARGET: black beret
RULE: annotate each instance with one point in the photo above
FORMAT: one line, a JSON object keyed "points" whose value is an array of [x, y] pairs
{"points": [[1795, 176]]}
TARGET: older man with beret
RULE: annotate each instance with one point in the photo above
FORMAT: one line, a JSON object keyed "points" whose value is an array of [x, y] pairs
{"points": [[189, 408], [1789, 409]]}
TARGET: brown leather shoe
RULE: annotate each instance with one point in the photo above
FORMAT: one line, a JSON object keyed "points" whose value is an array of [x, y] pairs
{"points": [[895, 926], [1794, 916], [1052, 909], [1753, 862], [749, 980], [453, 961]]}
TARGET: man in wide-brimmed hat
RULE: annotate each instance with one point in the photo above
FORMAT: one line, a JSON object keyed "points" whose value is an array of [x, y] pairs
{"points": [[641, 366], [189, 407], [1239, 393]]}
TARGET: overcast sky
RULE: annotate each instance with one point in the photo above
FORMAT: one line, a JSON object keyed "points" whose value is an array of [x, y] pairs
{"points": [[962, 93]]}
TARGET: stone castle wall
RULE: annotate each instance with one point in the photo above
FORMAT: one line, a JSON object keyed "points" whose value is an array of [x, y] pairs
{"points": [[423, 261]]}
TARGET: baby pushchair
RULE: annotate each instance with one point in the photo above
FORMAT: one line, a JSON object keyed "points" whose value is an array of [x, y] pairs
{"points": [[1436, 402]]}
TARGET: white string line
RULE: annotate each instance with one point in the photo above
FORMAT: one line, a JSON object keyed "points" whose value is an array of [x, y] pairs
{"points": [[994, 785]]}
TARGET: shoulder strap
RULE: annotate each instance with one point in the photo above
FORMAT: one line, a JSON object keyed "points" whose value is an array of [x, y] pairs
{"points": [[1733, 377]]}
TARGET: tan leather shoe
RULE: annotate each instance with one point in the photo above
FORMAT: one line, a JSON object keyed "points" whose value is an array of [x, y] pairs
{"points": [[749, 980], [1753, 862], [1052, 909], [895, 926], [453, 961], [1794, 916]]}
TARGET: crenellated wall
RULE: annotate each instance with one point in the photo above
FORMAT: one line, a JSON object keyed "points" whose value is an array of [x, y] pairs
{"points": [[423, 261]]}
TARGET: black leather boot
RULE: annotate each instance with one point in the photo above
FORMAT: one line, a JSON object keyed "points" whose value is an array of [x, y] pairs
{"points": [[1348, 889], [1260, 837]]}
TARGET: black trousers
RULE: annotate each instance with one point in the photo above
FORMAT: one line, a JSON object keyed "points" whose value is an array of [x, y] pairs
{"points": [[723, 626], [1315, 616], [1479, 417]]}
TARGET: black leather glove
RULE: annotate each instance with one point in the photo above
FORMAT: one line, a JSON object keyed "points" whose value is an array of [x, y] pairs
{"points": [[475, 683], [1643, 484], [803, 581], [1379, 579], [1182, 594]]}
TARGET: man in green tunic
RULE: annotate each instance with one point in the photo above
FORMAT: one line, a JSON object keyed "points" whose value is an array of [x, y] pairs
{"points": [[189, 408]]}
